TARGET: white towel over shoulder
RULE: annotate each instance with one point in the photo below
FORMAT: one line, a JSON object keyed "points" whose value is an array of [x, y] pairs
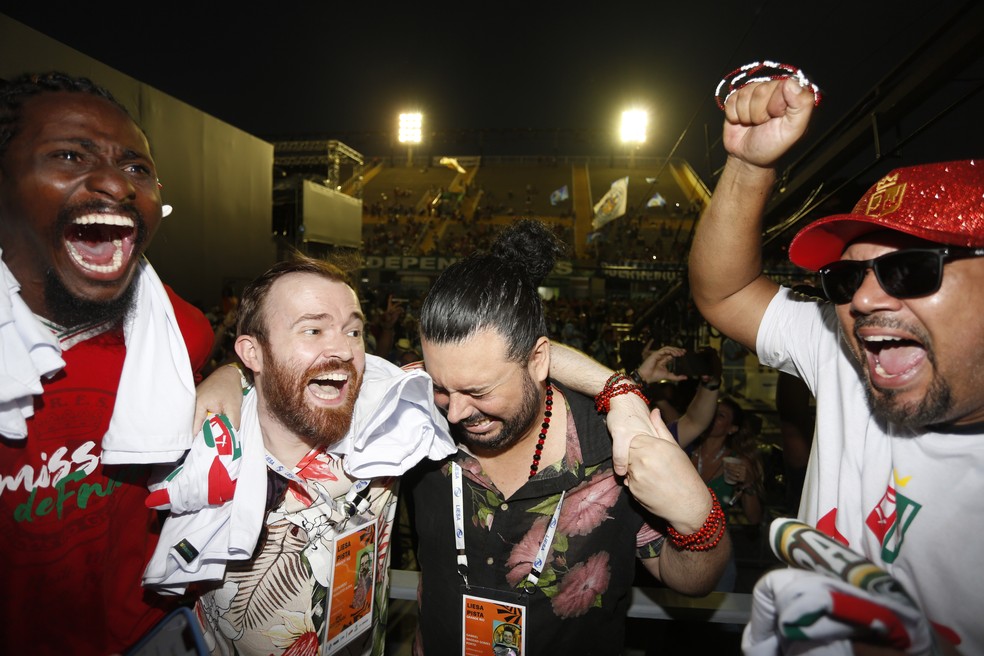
{"points": [[392, 405], [395, 425], [28, 353], [198, 539], [155, 404]]}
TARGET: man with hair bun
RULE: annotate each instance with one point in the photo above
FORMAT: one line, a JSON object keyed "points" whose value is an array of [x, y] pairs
{"points": [[528, 516]]}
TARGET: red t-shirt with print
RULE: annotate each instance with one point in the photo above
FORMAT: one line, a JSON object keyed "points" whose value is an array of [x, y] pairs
{"points": [[76, 533]]}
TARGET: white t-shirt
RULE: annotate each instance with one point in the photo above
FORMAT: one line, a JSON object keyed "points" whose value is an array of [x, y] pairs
{"points": [[911, 503]]}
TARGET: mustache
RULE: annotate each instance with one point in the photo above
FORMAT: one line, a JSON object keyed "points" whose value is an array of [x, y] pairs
{"points": [[473, 419], [867, 321], [332, 366], [917, 332]]}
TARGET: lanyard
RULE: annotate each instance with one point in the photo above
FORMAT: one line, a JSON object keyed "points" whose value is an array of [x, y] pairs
{"points": [[457, 506], [356, 499], [323, 522]]}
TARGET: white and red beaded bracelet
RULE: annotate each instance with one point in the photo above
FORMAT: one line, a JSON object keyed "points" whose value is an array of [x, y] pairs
{"points": [[762, 71]]}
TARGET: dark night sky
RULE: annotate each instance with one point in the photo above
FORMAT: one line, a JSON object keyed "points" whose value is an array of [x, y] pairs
{"points": [[292, 69]]}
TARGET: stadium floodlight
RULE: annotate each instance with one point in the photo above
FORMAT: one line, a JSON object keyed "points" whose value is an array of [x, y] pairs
{"points": [[633, 130], [411, 127], [634, 124]]}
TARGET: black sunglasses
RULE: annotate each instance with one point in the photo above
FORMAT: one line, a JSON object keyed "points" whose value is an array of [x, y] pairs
{"points": [[903, 274]]}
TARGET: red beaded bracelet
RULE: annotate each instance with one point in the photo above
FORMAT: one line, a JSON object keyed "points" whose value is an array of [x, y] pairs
{"points": [[616, 385], [762, 71], [708, 536]]}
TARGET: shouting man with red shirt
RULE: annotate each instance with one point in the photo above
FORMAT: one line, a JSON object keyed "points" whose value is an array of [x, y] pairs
{"points": [[98, 369]]}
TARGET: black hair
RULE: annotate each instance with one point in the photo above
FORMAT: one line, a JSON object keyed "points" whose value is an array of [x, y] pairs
{"points": [[17, 90], [496, 289], [737, 412]]}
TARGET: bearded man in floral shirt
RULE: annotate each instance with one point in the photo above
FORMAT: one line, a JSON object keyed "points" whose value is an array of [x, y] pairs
{"points": [[528, 524], [324, 432]]}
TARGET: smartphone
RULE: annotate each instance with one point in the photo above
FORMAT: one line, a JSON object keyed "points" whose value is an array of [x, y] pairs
{"points": [[691, 365], [178, 634]]}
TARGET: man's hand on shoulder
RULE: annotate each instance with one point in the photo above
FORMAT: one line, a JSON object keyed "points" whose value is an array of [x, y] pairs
{"points": [[222, 394]]}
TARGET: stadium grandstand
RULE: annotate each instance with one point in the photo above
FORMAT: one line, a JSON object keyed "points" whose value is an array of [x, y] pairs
{"points": [[417, 216]]}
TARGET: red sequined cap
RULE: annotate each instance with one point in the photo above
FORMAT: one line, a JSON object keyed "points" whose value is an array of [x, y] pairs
{"points": [[942, 203]]}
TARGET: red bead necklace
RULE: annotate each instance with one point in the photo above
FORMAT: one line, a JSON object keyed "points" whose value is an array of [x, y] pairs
{"points": [[543, 430]]}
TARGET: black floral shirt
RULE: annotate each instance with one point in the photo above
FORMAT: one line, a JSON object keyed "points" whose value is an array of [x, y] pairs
{"points": [[581, 600]]}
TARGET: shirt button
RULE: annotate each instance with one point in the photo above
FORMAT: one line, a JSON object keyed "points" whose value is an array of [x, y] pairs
{"points": [[489, 561], [504, 506]]}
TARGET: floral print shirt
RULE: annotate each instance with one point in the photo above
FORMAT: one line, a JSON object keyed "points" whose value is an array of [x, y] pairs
{"points": [[581, 600], [278, 602]]}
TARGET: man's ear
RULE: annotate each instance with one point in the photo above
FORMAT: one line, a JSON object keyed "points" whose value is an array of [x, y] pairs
{"points": [[540, 359], [250, 352]]}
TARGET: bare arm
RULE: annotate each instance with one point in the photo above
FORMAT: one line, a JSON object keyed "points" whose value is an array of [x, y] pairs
{"points": [[762, 121], [689, 572], [699, 415], [221, 393], [700, 411], [658, 473], [662, 478], [655, 366], [628, 416], [703, 406], [577, 370]]}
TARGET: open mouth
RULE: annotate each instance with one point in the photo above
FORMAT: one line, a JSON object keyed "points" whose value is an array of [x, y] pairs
{"points": [[478, 425], [893, 358], [329, 386], [101, 243]]}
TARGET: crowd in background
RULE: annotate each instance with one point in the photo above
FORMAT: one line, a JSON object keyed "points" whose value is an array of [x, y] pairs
{"points": [[608, 329]]}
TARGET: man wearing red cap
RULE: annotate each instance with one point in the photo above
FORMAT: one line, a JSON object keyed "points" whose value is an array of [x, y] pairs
{"points": [[894, 359]]}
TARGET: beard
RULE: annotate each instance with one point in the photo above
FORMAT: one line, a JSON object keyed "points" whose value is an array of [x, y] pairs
{"points": [[68, 310], [932, 408], [513, 428], [284, 392]]}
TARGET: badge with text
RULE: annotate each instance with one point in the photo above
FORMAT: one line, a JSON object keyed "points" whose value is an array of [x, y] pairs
{"points": [[352, 585], [492, 627]]}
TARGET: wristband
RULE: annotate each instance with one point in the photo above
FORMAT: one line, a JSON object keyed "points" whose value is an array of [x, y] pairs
{"points": [[716, 385], [761, 71], [616, 385], [708, 536]]}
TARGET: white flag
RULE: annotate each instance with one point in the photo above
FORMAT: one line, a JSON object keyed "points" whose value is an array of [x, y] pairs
{"points": [[452, 163], [612, 204]]}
